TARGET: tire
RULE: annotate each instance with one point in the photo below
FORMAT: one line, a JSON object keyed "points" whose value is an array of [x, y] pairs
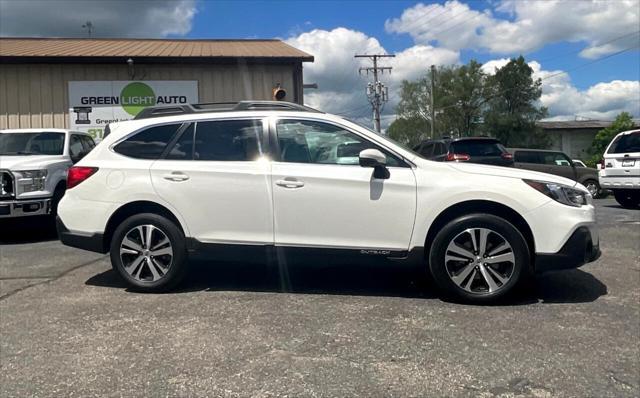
{"points": [[627, 198], [134, 259], [55, 200], [467, 280], [594, 188]]}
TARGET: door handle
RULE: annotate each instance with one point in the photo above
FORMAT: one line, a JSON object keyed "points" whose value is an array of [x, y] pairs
{"points": [[290, 183], [176, 176]]}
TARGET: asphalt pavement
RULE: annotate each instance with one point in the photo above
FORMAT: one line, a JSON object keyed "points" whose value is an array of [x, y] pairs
{"points": [[69, 327]]}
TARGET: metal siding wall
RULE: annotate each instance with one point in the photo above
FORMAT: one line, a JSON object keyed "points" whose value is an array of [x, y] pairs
{"points": [[37, 95]]}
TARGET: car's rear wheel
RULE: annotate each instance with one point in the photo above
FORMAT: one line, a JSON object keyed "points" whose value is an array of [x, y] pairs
{"points": [[594, 188], [627, 198], [479, 258], [149, 252]]}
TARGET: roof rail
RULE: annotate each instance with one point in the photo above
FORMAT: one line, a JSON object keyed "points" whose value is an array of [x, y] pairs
{"points": [[206, 107]]}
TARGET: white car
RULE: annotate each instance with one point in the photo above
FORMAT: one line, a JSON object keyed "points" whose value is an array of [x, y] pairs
{"points": [[33, 168], [579, 163], [267, 178], [620, 168]]}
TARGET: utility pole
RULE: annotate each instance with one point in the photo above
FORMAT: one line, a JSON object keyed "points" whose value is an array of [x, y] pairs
{"points": [[377, 92], [433, 110], [89, 27]]}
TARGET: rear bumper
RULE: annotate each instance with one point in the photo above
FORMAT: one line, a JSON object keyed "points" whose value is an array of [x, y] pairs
{"points": [[619, 182], [92, 242], [578, 250], [25, 207]]}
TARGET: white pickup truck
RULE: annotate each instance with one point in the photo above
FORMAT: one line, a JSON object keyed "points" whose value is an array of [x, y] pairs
{"points": [[33, 168]]}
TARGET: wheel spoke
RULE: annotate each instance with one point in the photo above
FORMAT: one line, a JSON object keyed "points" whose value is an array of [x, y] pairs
{"points": [[162, 242], [472, 233], [451, 257], [162, 252], [493, 286], [462, 275], [454, 247], [140, 230], [501, 247], [159, 266], [129, 244], [149, 239], [467, 286], [497, 275], [500, 258], [482, 247], [152, 267], [133, 265], [124, 250]]}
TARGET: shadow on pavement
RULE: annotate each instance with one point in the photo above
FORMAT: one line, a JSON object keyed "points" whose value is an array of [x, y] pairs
{"points": [[573, 286], [27, 230]]}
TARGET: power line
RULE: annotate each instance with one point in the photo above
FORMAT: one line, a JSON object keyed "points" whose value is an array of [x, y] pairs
{"points": [[377, 92]]}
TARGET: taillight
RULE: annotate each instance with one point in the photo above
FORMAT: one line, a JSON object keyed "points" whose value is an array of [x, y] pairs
{"points": [[507, 156], [461, 157], [602, 164], [77, 174]]}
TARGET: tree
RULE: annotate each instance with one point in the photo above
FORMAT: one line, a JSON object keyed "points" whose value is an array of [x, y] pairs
{"points": [[458, 101], [512, 106], [623, 122], [410, 131]]}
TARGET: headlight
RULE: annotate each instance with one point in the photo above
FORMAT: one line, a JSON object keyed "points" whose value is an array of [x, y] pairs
{"points": [[561, 193], [31, 180]]}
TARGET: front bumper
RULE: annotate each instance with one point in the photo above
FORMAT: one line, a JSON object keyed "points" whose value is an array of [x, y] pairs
{"points": [[578, 250], [25, 207]]}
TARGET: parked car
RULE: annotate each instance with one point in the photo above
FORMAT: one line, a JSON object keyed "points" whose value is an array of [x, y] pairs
{"points": [[557, 163], [271, 178], [620, 168], [33, 168], [578, 163], [483, 150]]}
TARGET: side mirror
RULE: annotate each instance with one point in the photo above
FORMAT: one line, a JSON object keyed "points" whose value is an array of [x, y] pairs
{"points": [[372, 158], [376, 159]]}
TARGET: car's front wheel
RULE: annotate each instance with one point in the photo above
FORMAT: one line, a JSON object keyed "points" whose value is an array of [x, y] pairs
{"points": [[627, 198], [594, 188], [149, 252], [479, 258]]}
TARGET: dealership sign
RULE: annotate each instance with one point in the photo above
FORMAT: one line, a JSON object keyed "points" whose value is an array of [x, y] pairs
{"points": [[94, 104]]}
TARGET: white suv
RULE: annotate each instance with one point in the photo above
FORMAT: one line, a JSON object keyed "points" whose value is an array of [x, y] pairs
{"points": [[620, 168], [263, 178], [33, 168]]}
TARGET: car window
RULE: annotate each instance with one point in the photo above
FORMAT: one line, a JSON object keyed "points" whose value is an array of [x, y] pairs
{"points": [[31, 143], [478, 148], [427, 150], [87, 143], [75, 146], [555, 159], [149, 143], [439, 149], [183, 148], [228, 140], [305, 141], [625, 143], [527, 157]]}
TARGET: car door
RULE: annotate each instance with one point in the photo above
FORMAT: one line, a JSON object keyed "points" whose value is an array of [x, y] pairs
{"points": [[559, 164], [323, 198], [215, 176]]}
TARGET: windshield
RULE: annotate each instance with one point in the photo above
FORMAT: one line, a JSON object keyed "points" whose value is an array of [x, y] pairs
{"points": [[626, 143], [31, 143]]}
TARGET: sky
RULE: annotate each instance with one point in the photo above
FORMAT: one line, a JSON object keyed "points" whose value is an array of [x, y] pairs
{"points": [[587, 53]]}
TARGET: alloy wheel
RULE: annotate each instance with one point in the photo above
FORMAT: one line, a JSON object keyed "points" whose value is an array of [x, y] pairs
{"points": [[480, 261], [146, 253], [592, 187]]}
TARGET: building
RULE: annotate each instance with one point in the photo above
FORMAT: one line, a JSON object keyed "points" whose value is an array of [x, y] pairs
{"points": [[574, 137], [87, 83]]}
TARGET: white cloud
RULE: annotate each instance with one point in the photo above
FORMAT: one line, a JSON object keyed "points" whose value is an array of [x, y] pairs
{"points": [[601, 101], [113, 18], [531, 25], [341, 88]]}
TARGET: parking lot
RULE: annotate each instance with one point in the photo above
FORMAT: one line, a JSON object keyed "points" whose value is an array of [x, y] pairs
{"points": [[69, 327]]}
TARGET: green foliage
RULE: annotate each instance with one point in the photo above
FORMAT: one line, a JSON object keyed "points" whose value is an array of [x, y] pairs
{"points": [[410, 131], [468, 102], [512, 106], [623, 122]]}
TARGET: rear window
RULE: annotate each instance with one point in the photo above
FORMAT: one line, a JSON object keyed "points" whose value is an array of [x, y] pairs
{"points": [[149, 143], [625, 143], [478, 148]]}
